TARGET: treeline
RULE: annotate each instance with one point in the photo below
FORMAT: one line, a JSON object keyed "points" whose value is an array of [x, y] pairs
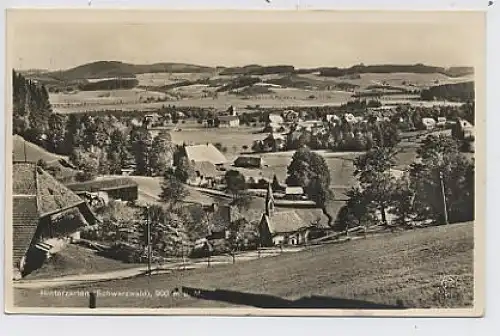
{"points": [[440, 175], [239, 83], [109, 84], [32, 112], [391, 68], [461, 92], [258, 70]]}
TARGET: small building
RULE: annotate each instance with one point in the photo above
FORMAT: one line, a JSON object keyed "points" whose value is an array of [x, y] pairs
{"points": [[229, 121], [249, 162], [205, 153], [117, 188], [275, 118], [441, 122], [428, 123], [294, 191]]}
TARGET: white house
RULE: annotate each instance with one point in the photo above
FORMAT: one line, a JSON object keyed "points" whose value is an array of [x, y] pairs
{"points": [[428, 123]]}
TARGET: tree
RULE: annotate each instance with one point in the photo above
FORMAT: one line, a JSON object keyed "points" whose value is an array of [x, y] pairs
{"points": [[276, 184], [235, 182], [87, 163], [172, 190], [117, 151], [310, 171], [234, 237], [402, 201], [56, 133], [184, 170], [161, 154], [320, 193], [141, 142], [376, 181], [441, 156]]}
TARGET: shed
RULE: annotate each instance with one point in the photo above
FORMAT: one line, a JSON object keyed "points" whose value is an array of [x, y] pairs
{"points": [[249, 162]]}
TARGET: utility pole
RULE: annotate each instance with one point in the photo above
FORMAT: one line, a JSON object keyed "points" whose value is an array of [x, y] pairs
{"points": [[148, 226], [445, 210]]}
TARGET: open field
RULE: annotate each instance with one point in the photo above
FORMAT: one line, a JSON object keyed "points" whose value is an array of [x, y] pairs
{"points": [[304, 90], [406, 268]]}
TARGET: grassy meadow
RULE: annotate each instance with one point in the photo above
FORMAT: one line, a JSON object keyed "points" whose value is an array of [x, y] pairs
{"points": [[406, 268]]}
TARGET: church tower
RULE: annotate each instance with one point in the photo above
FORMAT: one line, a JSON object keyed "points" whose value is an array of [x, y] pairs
{"points": [[269, 201]]}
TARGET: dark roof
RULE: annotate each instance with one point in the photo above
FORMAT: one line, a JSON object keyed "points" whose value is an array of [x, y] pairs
{"points": [[25, 222], [206, 169], [52, 196], [246, 161], [104, 184], [285, 221], [228, 118]]}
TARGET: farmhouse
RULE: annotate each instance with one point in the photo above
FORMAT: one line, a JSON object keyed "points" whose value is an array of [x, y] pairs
{"points": [[205, 153], [281, 228], [117, 188], [39, 200], [205, 173], [229, 121], [249, 162]]}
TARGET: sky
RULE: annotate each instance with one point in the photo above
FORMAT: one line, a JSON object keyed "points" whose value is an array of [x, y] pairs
{"points": [[61, 43]]}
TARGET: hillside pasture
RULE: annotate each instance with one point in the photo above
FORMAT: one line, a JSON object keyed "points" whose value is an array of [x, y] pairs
{"points": [[400, 269], [405, 80], [165, 78]]}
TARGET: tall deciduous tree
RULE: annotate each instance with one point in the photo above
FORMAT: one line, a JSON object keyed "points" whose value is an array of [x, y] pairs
{"points": [[375, 178], [310, 171], [141, 144], [235, 182], [440, 155], [161, 159]]}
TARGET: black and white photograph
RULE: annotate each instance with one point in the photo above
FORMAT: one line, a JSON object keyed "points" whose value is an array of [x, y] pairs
{"points": [[245, 162]]}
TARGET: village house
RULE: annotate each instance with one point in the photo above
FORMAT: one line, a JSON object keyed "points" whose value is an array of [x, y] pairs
{"points": [[45, 215], [275, 142], [463, 130], [428, 123], [283, 227], [441, 122], [246, 161], [205, 153], [116, 188], [229, 121]]}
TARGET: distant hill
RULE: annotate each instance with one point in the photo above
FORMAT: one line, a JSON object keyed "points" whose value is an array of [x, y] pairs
{"points": [[112, 69], [391, 68]]}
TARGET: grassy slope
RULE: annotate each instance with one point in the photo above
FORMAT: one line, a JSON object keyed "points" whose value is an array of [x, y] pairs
{"points": [[75, 260], [407, 266]]}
